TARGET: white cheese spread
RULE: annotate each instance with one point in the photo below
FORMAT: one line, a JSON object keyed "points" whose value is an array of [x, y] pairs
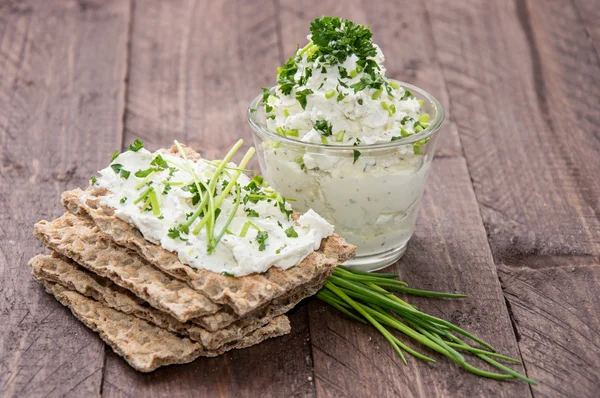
{"points": [[260, 234]]}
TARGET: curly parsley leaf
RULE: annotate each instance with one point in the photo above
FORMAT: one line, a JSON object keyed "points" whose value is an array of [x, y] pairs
{"points": [[261, 239], [136, 146], [286, 76], [118, 169], [301, 96], [324, 127], [159, 162], [175, 233], [337, 39], [291, 232], [252, 213]]}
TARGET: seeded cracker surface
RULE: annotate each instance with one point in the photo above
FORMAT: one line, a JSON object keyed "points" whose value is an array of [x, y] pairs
{"points": [[71, 276]]}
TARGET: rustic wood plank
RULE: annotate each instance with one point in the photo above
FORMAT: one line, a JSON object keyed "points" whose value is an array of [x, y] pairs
{"points": [[192, 78], [62, 68], [524, 81], [589, 13]]}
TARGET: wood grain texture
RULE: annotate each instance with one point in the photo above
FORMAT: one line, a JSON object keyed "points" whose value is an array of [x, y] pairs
{"points": [[589, 13], [189, 79], [352, 360], [196, 65], [524, 79], [62, 67]]}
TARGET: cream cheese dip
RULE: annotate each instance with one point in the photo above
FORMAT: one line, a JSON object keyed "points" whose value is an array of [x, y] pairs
{"points": [[250, 228], [347, 141]]}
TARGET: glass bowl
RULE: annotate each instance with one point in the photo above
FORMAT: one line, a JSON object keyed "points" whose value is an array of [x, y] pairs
{"points": [[372, 200]]}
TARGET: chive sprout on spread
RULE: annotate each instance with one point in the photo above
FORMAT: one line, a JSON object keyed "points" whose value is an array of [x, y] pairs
{"points": [[209, 212]]}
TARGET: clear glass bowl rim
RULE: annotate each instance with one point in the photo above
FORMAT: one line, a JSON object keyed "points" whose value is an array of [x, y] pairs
{"points": [[435, 125]]}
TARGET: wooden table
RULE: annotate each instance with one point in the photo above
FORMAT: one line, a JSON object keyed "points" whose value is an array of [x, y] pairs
{"points": [[511, 215]]}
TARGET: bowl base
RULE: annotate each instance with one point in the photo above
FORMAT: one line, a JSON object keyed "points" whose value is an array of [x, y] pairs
{"points": [[378, 261]]}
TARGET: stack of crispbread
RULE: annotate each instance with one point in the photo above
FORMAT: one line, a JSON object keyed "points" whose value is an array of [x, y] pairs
{"points": [[148, 306]]}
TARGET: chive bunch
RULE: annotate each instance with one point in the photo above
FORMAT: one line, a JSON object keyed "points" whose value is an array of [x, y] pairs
{"points": [[367, 298]]}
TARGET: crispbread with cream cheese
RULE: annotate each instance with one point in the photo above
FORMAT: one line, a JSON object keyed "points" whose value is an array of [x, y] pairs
{"points": [[143, 345], [243, 294]]}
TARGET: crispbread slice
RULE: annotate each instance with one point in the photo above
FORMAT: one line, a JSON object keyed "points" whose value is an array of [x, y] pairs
{"points": [[243, 294], [143, 345], [73, 237], [68, 274], [77, 238]]}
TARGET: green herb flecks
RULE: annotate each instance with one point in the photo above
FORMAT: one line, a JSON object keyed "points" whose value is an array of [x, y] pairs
{"points": [[291, 232], [336, 39], [301, 96], [175, 233], [136, 146], [324, 127], [251, 213], [356, 155], [261, 239], [118, 169]]}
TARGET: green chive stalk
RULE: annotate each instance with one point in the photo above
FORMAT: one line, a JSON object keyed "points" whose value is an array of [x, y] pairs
{"points": [[363, 297]]}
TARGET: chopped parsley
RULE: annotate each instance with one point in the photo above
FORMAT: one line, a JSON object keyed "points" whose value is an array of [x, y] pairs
{"points": [[167, 189], [159, 162], [285, 211], [286, 76], [301, 96], [265, 94], [175, 233], [261, 239], [251, 213], [123, 199], [114, 155], [118, 169], [324, 127], [225, 273], [144, 173], [291, 232], [136, 146], [337, 39], [279, 223], [356, 156], [93, 178]]}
